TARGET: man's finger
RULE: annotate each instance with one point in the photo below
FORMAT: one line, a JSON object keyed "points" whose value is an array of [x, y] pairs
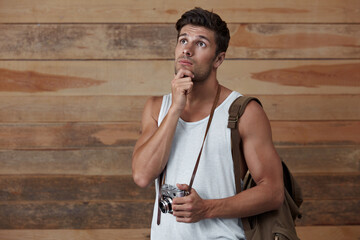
{"points": [[184, 73]]}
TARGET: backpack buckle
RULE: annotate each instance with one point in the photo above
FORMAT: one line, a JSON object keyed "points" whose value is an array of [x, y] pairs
{"points": [[232, 120]]}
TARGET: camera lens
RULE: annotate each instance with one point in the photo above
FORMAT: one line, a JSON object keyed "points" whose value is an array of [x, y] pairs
{"points": [[165, 205]]}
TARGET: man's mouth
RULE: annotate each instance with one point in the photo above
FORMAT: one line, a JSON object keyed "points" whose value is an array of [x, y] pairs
{"points": [[185, 62]]}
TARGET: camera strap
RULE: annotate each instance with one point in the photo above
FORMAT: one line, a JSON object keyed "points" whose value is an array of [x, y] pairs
{"points": [[161, 179]]}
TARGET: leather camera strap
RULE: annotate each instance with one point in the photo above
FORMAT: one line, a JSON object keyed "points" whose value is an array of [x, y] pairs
{"points": [[161, 179]]}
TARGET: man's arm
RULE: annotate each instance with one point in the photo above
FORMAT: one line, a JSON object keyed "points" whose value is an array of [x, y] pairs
{"points": [[266, 170], [152, 149]]}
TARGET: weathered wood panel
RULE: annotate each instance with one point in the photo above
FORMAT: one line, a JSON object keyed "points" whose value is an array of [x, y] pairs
{"points": [[316, 133], [41, 11], [294, 41], [72, 188], [66, 234], [94, 78], [329, 186], [138, 41], [311, 107], [328, 232], [76, 108], [330, 212], [14, 188], [304, 233], [126, 214], [69, 135], [104, 161], [316, 159], [76, 135], [75, 215], [129, 108], [117, 161]]}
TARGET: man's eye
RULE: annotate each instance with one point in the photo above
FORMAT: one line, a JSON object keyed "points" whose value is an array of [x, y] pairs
{"points": [[201, 44], [183, 41]]}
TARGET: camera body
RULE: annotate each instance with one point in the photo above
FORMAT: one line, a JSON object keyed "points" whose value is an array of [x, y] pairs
{"points": [[168, 193]]}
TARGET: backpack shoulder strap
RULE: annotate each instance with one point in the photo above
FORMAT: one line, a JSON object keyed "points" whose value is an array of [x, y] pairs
{"points": [[236, 110]]}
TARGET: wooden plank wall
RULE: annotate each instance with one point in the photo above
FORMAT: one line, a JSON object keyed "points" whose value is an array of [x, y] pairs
{"points": [[74, 76]]}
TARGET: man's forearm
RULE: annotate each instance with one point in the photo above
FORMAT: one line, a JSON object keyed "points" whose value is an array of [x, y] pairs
{"points": [[251, 202], [150, 158]]}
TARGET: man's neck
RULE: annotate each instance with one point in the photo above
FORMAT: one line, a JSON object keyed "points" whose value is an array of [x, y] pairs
{"points": [[203, 91], [200, 100]]}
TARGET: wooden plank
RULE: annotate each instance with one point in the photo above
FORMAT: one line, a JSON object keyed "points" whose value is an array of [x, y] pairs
{"points": [[304, 233], [88, 41], [42, 11], [311, 107], [260, 77], [117, 161], [72, 188], [65, 234], [329, 186], [324, 186], [72, 108], [109, 214], [316, 133], [293, 41], [76, 135], [129, 108], [329, 232], [69, 135], [104, 161], [329, 212], [321, 159], [139, 41], [76, 215]]}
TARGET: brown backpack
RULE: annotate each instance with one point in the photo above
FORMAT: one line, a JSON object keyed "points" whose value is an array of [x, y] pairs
{"points": [[273, 225]]}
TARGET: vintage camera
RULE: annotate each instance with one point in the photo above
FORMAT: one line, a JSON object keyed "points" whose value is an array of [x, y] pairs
{"points": [[168, 192]]}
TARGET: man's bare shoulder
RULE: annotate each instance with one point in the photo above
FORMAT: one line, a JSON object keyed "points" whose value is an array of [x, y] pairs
{"points": [[152, 107], [254, 117]]}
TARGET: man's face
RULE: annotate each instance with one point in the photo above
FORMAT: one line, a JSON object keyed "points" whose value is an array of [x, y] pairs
{"points": [[195, 51]]}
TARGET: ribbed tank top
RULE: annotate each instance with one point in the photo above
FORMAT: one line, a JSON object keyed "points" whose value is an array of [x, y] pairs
{"points": [[214, 178]]}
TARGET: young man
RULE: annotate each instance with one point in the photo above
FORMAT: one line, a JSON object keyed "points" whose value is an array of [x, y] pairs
{"points": [[173, 128]]}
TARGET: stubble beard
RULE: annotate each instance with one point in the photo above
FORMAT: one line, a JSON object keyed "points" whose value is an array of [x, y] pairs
{"points": [[200, 75]]}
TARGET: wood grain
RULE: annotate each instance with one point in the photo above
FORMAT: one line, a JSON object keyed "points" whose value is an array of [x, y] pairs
{"points": [[311, 107], [75, 215], [323, 159], [329, 186], [117, 161], [72, 188], [329, 212], [306, 11], [304, 233], [121, 214], [293, 41], [129, 108], [67, 136], [316, 133], [72, 108], [133, 78], [66, 234], [329, 232], [104, 161], [76, 135], [139, 41], [326, 186]]}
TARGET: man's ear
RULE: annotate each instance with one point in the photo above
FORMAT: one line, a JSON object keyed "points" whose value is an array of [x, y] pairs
{"points": [[219, 59]]}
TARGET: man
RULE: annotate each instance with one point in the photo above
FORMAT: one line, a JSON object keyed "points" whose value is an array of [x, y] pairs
{"points": [[173, 128]]}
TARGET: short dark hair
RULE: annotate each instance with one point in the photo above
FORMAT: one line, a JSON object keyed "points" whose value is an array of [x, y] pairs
{"points": [[209, 20]]}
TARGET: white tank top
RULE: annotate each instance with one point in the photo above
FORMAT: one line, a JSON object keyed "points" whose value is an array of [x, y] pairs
{"points": [[214, 178]]}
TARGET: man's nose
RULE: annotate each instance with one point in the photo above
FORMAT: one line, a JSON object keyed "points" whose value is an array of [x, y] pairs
{"points": [[187, 52]]}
